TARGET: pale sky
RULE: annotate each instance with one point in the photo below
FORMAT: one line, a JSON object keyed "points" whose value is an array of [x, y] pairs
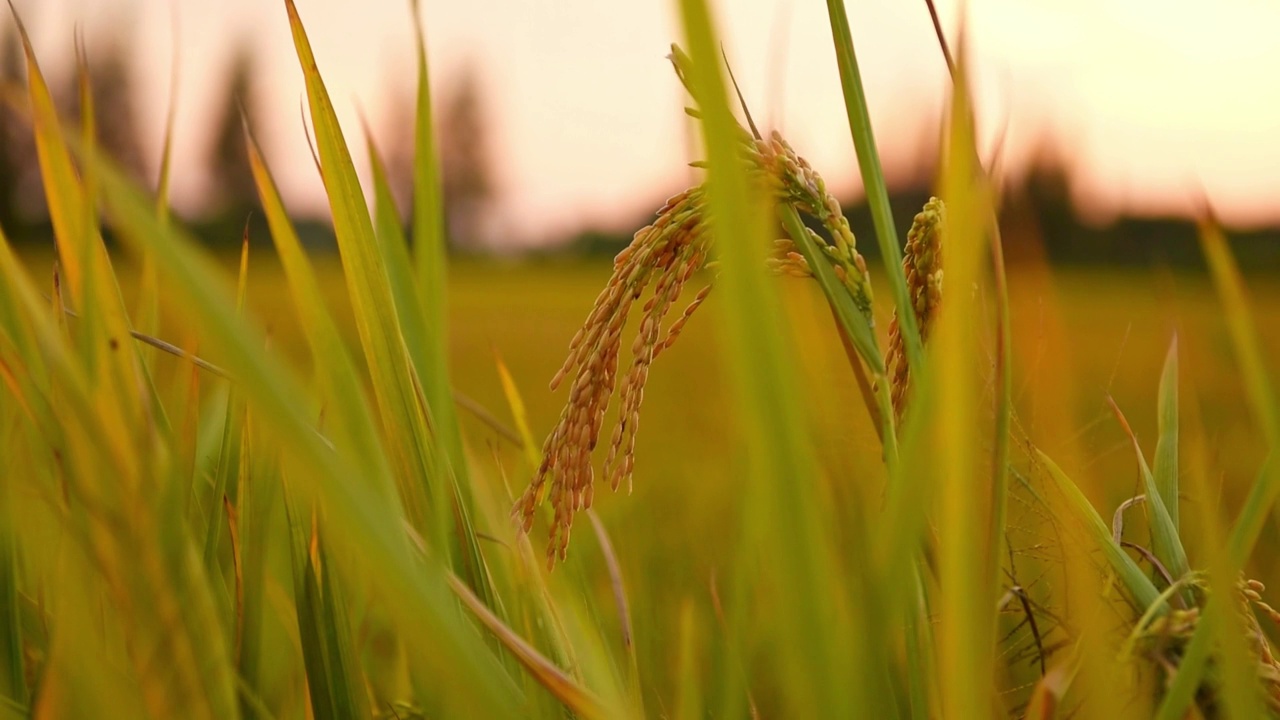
{"points": [[1152, 103]]}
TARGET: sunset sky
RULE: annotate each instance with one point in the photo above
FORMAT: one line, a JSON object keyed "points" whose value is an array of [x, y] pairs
{"points": [[1152, 104]]}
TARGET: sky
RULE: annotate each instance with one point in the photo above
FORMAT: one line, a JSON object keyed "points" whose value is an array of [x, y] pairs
{"points": [[1152, 105]]}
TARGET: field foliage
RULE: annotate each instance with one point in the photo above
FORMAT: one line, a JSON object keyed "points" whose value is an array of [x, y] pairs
{"points": [[282, 485]]}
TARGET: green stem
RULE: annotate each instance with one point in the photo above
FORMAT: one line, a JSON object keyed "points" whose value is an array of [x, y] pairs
{"points": [[855, 102]]}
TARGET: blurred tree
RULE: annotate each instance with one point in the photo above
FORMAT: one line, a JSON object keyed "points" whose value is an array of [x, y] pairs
{"points": [[234, 193], [395, 143], [465, 162], [20, 195], [111, 85]]}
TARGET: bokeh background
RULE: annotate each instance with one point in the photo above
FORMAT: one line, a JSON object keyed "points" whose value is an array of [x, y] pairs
{"points": [[563, 117], [1109, 125]]}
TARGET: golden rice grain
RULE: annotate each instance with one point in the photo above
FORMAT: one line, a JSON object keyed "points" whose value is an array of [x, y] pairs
{"points": [[922, 263]]}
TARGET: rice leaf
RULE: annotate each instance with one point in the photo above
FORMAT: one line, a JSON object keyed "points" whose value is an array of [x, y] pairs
{"points": [[145, 562], [1165, 543], [1182, 689], [20, 349], [689, 705], [782, 522], [855, 325], [394, 249], [1258, 389], [333, 678], [13, 681], [1220, 629], [1142, 594], [576, 698], [13, 709], [340, 381], [1166, 459], [259, 485], [967, 487], [855, 103], [1050, 691], [514, 401], [1003, 406], [404, 419], [104, 329], [624, 609], [1265, 489], [228, 464], [147, 309], [430, 256], [1238, 669], [450, 655]]}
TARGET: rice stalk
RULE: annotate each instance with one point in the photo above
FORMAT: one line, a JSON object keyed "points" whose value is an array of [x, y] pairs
{"points": [[660, 260], [665, 255]]}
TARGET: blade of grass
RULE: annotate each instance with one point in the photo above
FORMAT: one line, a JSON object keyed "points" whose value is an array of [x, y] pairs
{"points": [[228, 466], [430, 250], [68, 686], [518, 413], [430, 256], [450, 655], [853, 322], [381, 336], [782, 520], [394, 249], [687, 678], [413, 313], [1140, 591], [259, 483], [166, 145], [967, 488], [855, 103], [1165, 543], [1237, 668], [404, 397], [84, 259], [146, 561], [1182, 689], [147, 313], [21, 343], [1003, 404], [1258, 389], [333, 679], [13, 680], [1166, 459], [624, 610], [1262, 494], [578, 699], [339, 378]]}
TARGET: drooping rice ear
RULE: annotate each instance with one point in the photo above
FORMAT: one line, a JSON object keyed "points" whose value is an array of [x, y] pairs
{"points": [[664, 255]]}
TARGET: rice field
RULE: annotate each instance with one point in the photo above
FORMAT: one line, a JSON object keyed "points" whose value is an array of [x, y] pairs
{"points": [[284, 485], [1083, 334]]}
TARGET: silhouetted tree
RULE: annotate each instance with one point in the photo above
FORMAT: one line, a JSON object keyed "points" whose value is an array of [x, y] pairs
{"points": [[465, 162], [19, 174], [395, 144], [234, 193], [111, 87]]}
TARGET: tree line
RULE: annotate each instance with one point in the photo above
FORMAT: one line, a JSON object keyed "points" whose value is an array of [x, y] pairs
{"points": [[468, 178]]}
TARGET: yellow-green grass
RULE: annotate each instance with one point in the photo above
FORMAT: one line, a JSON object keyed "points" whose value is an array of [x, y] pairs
{"points": [[1114, 329], [306, 528], [1100, 332]]}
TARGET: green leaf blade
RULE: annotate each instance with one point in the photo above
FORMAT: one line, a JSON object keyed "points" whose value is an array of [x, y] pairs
{"points": [[1166, 459], [1137, 585]]}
